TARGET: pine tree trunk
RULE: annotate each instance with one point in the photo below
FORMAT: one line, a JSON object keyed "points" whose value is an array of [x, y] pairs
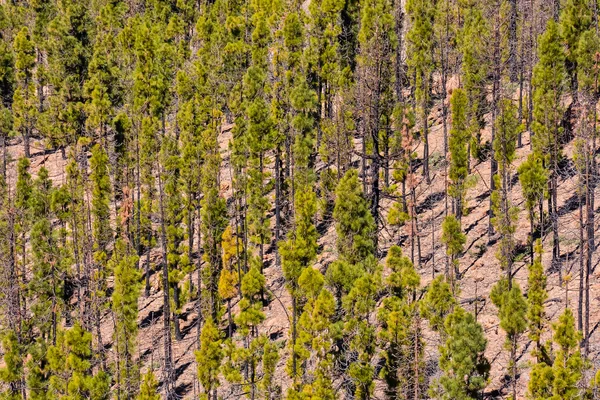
{"points": [[168, 367], [375, 177], [294, 338], [147, 266], [590, 232], [277, 202], [512, 41], [178, 335], [199, 282], [581, 267], [425, 145], [3, 138]]}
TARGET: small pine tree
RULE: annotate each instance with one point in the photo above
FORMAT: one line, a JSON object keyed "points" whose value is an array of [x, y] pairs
{"points": [[512, 309], [354, 222], [536, 297], [561, 379], [504, 214], [465, 369], [454, 240], [125, 307], [458, 146], [549, 81], [534, 186], [568, 363], [208, 359], [12, 372], [437, 304], [70, 363], [24, 98], [251, 314], [149, 387]]}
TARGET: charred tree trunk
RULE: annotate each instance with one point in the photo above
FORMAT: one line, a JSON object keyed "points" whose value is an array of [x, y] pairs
{"points": [[168, 367]]}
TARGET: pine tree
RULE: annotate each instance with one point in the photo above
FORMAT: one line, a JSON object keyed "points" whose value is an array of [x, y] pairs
{"points": [[251, 314], [149, 387], [568, 363], [588, 50], [548, 80], [101, 192], [512, 310], [473, 41], [454, 240], [298, 252], [420, 39], [70, 363], [7, 89], [259, 129], [354, 223], [24, 102], [574, 20], [70, 35], [22, 223], [229, 279], [437, 304], [209, 359], [317, 332], [44, 286], [125, 307], [534, 186], [102, 235], [178, 264], [400, 335], [465, 369], [12, 372], [559, 380], [536, 296], [458, 146], [359, 304], [213, 215], [505, 215], [377, 40]]}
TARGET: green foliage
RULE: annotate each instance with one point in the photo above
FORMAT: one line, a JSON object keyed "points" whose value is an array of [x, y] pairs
{"points": [[437, 304], [251, 314], [473, 41], [452, 236], [458, 145], [420, 47], [403, 277], [534, 181], [70, 363], [575, 19], [507, 131], [101, 191], [465, 369], [560, 380], [536, 297], [548, 81], [149, 387], [587, 50], [354, 222], [513, 320], [11, 374], [125, 307], [24, 98], [209, 357]]}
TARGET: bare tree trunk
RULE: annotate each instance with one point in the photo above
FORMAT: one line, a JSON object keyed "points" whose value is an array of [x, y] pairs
{"points": [[168, 371], [512, 41], [581, 267]]}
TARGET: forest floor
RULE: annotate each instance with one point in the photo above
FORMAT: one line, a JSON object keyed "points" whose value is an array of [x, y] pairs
{"points": [[479, 267]]}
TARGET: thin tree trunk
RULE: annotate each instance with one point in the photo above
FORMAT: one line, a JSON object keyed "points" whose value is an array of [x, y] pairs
{"points": [[581, 268], [168, 371]]}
